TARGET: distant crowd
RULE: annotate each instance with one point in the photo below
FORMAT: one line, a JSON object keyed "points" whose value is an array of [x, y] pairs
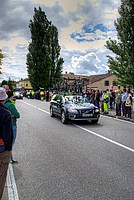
{"points": [[39, 94], [109, 99]]}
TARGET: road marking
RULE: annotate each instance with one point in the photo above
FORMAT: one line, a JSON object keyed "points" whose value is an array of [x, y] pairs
{"points": [[37, 107], [43, 110], [11, 185], [104, 138], [121, 120], [30, 104]]}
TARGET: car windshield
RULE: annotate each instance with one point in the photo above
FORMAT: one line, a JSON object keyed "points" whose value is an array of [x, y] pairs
{"points": [[76, 99]]}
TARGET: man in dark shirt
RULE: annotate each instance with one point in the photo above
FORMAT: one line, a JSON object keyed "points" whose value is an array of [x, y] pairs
{"points": [[6, 139]]}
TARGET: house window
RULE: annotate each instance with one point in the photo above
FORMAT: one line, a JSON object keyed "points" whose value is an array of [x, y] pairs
{"points": [[26, 85], [106, 83], [115, 83]]}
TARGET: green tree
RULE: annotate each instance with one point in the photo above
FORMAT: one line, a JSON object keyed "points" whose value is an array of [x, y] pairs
{"points": [[11, 83], [1, 57], [56, 60], [4, 82], [122, 64], [43, 61]]}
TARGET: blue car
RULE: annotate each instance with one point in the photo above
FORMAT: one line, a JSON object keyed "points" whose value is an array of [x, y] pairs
{"points": [[73, 108]]}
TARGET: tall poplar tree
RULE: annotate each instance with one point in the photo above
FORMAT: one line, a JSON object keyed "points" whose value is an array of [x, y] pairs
{"points": [[122, 64], [43, 61], [56, 61]]}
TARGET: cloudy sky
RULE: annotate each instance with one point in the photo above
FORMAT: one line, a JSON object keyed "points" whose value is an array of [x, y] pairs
{"points": [[83, 25]]}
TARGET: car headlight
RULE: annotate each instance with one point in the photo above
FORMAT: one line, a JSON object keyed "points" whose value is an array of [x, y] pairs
{"points": [[72, 110], [97, 110]]}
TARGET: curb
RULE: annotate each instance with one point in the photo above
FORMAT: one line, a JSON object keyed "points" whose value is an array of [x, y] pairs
{"points": [[118, 117]]}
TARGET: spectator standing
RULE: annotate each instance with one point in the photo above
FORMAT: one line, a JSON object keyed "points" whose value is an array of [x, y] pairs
{"points": [[123, 99], [93, 96], [119, 89], [128, 104], [42, 95], [101, 101], [112, 99], [112, 88], [118, 103], [47, 95], [28, 94], [6, 139], [15, 115], [106, 101], [97, 98], [6, 87], [32, 94], [37, 95]]}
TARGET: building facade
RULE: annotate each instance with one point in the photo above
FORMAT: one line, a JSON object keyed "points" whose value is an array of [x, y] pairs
{"points": [[102, 82], [24, 84], [96, 82], [77, 83]]}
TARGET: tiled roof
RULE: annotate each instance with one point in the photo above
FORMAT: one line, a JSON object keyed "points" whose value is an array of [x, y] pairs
{"points": [[26, 79], [74, 76], [94, 78]]}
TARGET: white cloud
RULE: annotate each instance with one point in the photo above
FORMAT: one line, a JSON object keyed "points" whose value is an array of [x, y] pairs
{"points": [[87, 64], [83, 57]]}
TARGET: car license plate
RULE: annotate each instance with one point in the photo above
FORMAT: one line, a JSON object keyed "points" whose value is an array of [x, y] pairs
{"points": [[87, 115]]}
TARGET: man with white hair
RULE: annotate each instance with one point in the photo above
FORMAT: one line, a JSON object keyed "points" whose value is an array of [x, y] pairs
{"points": [[6, 87], [6, 139]]}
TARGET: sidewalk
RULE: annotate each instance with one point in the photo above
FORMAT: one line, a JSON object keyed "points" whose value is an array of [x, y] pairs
{"points": [[112, 113]]}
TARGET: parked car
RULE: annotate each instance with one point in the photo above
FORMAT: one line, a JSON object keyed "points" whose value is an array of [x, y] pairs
{"points": [[73, 107], [18, 95]]}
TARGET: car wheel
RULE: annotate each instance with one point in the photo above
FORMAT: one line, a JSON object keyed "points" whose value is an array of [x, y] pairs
{"points": [[95, 121], [51, 112], [63, 117]]}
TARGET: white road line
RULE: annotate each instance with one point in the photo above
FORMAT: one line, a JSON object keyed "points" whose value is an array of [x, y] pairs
{"points": [[104, 138], [11, 185], [30, 104], [37, 107], [43, 110]]}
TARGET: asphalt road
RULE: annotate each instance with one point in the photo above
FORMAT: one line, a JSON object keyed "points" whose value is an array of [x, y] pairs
{"points": [[77, 161]]}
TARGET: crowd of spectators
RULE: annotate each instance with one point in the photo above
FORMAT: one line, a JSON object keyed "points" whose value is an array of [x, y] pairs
{"points": [[109, 99], [39, 94]]}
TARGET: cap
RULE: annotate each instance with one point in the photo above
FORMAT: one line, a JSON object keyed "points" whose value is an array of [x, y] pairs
{"points": [[3, 95]]}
